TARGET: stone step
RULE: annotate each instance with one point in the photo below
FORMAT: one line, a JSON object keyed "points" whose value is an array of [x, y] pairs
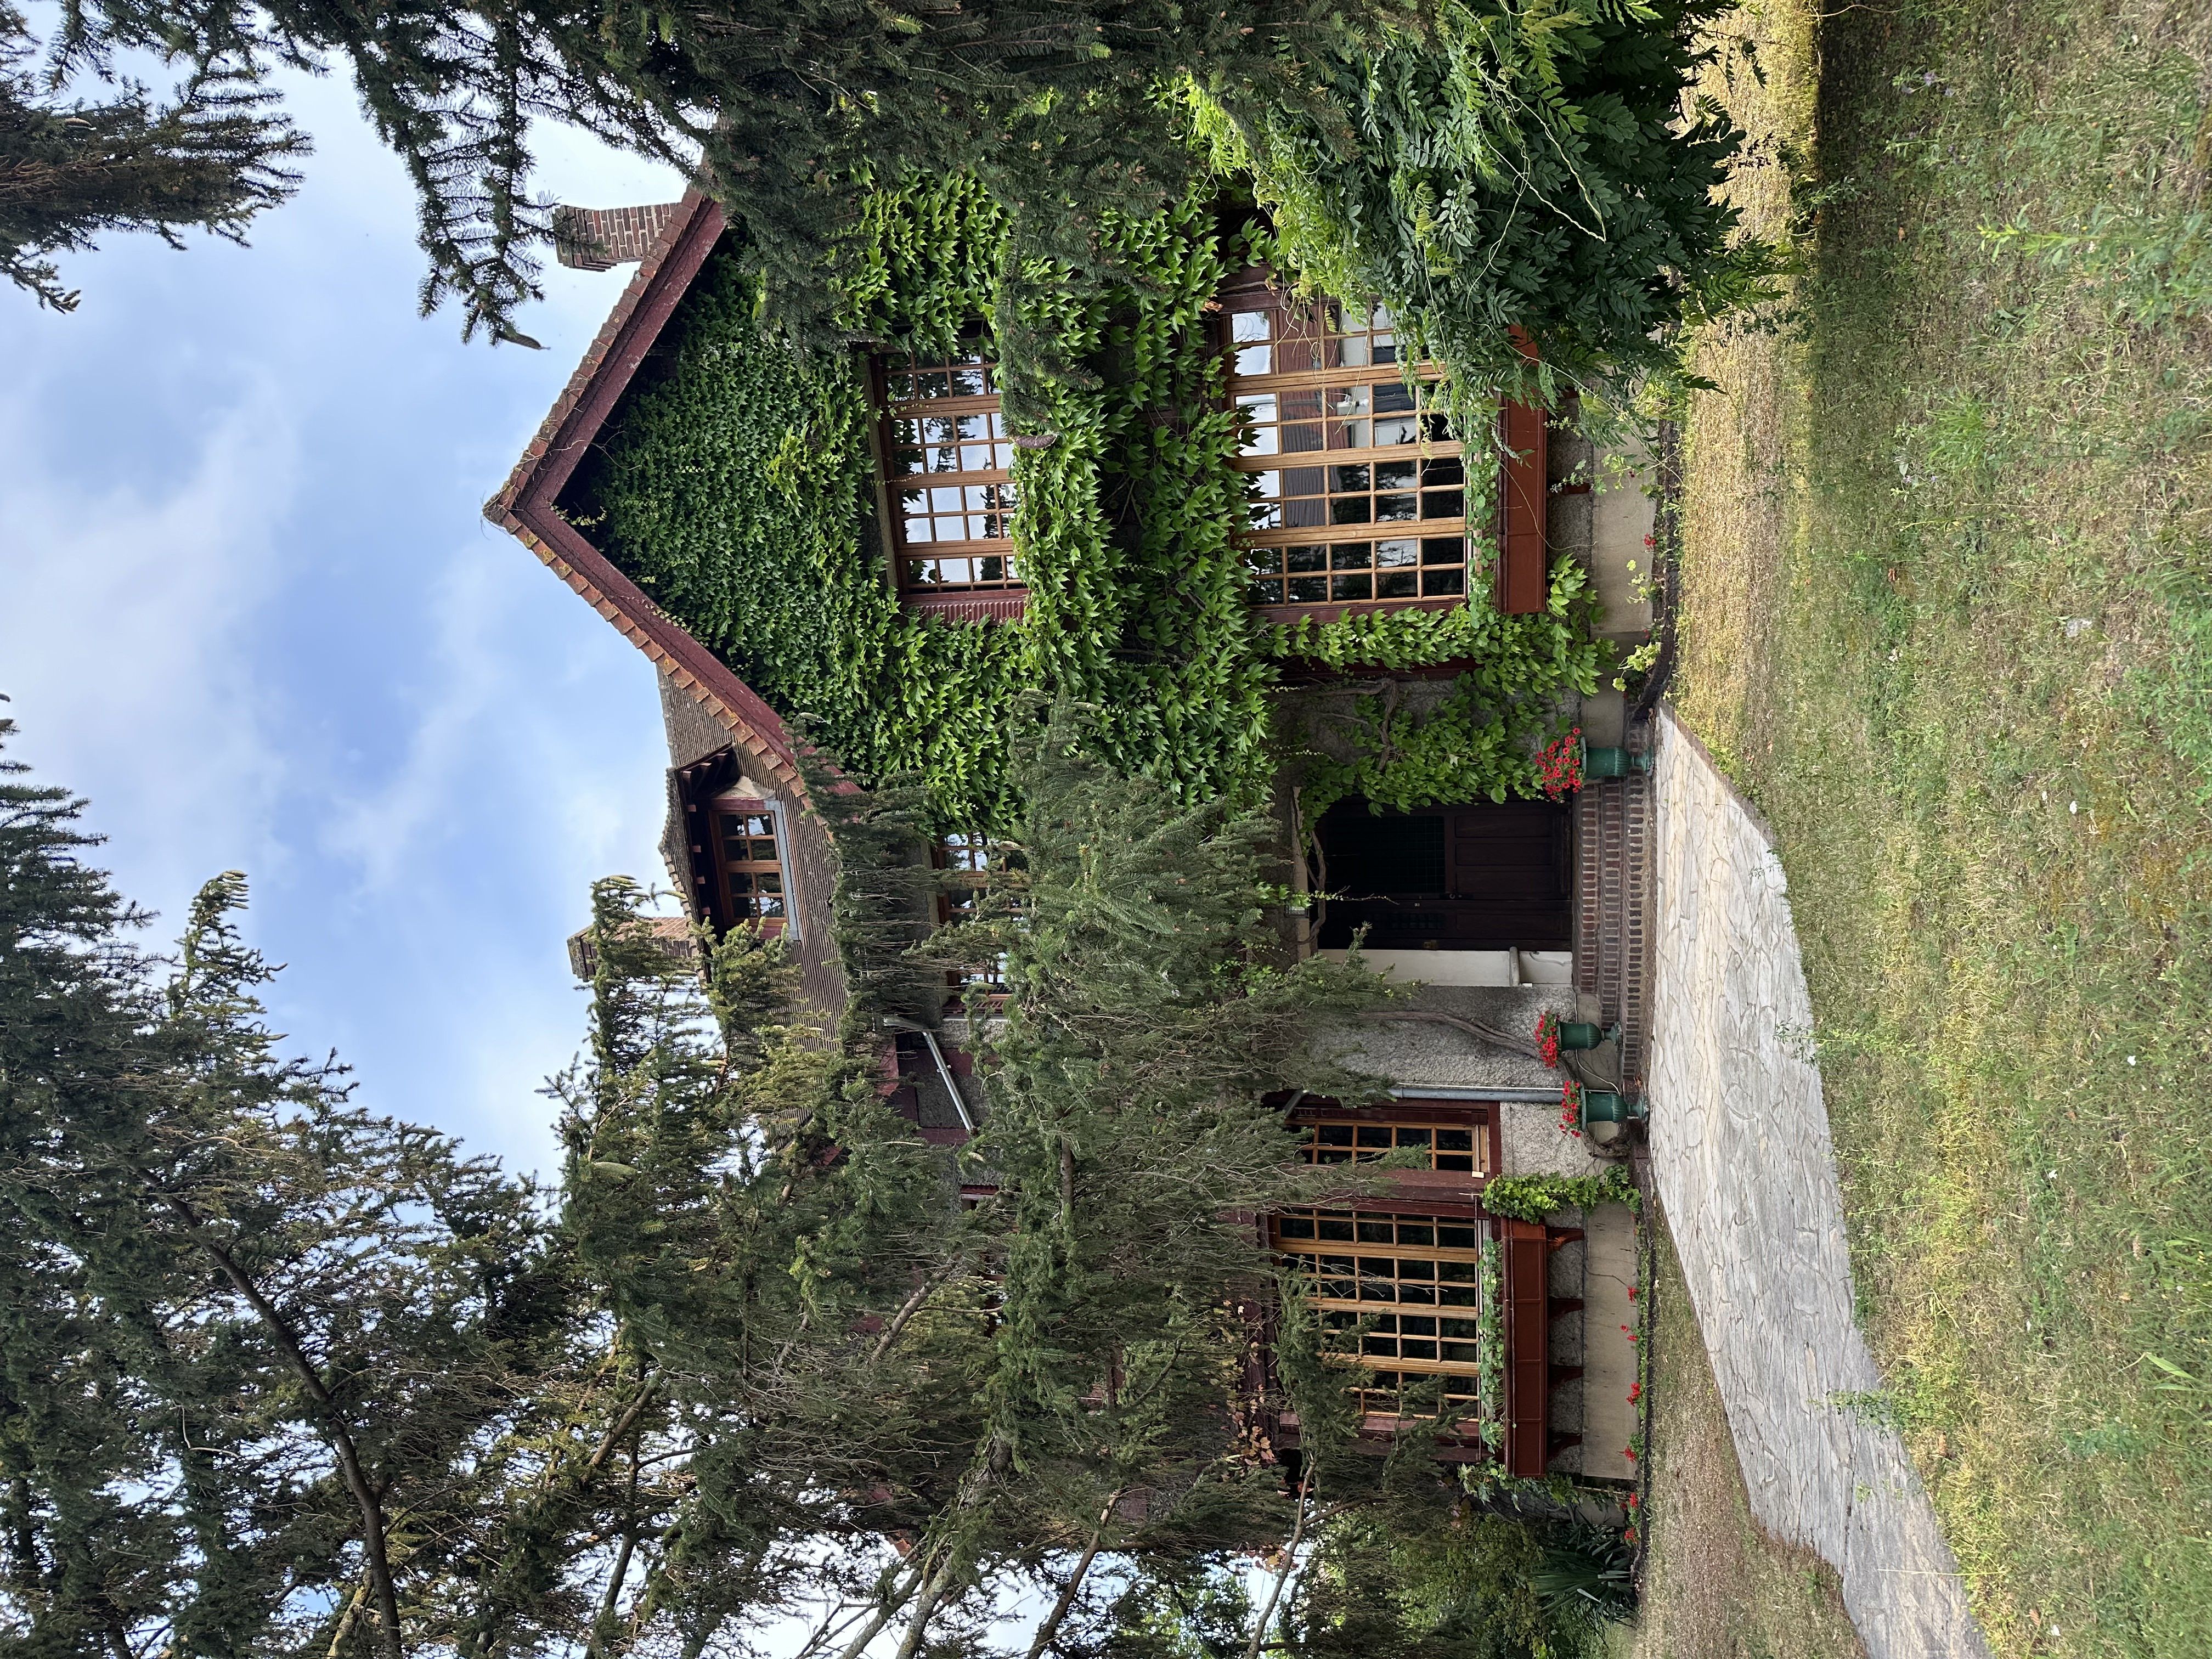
{"points": [[1612, 907]]}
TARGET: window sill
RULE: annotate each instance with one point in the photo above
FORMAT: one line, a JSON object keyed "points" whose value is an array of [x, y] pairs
{"points": [[988, 604], [1289, 615]]}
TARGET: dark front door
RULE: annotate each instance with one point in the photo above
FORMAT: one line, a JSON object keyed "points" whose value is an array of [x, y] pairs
{"points": [[1480, 878]]}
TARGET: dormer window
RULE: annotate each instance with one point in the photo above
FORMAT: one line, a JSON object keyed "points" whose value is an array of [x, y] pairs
{"points": [[1358, 494], [748, 863], [951, 461]]}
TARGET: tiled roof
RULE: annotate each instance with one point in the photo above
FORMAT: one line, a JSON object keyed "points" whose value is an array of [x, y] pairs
{"points": [[527, 505]]}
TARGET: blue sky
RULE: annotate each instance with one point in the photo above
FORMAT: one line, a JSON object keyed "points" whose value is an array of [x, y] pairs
{"points": [[249, 605]]}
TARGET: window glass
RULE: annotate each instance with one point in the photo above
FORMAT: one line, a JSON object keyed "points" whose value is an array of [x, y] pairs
{"points": [[1320, 381], [953, 499], [1405, 1305], [1458, 1148], [751, 868], [967, 856]]}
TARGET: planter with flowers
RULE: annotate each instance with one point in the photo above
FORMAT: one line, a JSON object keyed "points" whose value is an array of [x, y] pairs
{"points": [[1563, 764], [1555, 1036], [1579, 1108]]}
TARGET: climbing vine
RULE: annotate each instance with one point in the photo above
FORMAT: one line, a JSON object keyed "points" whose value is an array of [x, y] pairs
{"points": [[1534, 1197], [736, 486]]}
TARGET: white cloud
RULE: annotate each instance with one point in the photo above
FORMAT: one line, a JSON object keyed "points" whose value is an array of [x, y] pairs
{"points": [[125, 640]]}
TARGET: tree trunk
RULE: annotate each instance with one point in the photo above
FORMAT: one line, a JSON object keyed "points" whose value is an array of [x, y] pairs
{"points": [[974, 1489], [335, 1434], [1050, 1627], [1290, 1565], [899, 1595]]}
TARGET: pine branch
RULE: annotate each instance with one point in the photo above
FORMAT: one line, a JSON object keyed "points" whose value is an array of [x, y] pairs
{"points": [[340, 1440]]}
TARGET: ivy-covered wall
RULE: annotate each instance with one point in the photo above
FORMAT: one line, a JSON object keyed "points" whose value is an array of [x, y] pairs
{"points": [[734, 484]]}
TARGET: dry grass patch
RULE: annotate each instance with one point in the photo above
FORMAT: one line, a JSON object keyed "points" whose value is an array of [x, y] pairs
{"points": [[1715, 1585], [1949, 622]]}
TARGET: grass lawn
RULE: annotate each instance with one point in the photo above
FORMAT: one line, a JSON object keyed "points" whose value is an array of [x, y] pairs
{"points": [[1947, 619], [1715, 1586]]}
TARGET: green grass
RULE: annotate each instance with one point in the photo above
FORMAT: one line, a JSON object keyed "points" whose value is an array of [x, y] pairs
{"points": [[1949, 600]]}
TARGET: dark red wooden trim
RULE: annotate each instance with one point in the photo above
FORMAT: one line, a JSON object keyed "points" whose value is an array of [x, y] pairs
{"points": [[1522, 579], [1524, 1274], [694, 233], [562, 546], [1416, 1203], [1290, 614], [526, 506], [1004, 604], [1401, 1109]]}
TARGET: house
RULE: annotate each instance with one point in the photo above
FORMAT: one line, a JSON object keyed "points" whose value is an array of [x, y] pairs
{"points": [[1256, 514]]}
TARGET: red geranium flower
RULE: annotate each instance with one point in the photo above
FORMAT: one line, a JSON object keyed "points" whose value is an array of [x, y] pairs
{"points": [[1560, 766], [1547, 1040]]}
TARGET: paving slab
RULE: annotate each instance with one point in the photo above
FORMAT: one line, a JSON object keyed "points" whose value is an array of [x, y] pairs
{"points": [[1746, 1173]]}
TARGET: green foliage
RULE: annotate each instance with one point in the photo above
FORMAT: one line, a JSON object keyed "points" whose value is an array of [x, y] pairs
{"points": [[737, 488], [1147, 1019], [209, 160], [1482, 739], [1193, 1610], [1416, 1578], [262, 1350], [1496, 167], [1535, 1197]]}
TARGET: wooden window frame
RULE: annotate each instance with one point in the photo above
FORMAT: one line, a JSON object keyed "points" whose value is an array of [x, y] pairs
{"points": [[1484, 1117], [737, 910], [1519, 574], [1001, 597], [946, 854], [1387, 1400], [1378, 382], [1323, 1149]]}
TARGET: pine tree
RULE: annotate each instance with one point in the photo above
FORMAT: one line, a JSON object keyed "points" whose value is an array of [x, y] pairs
{"points": [[71, 171], [1150, 1015], [260, 1345], [1485, 166], [790, 111]]}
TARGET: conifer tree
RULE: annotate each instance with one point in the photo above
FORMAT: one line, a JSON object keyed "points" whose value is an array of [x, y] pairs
{"points": [[258, 1342], [1484, 166], [789, 110], [72, 170]]}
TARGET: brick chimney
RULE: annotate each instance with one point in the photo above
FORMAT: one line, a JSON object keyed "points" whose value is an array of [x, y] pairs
{"points": [[672, 935], [599, 239]]}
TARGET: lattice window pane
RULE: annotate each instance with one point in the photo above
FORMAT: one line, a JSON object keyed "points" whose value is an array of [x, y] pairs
{"points": [[951, 462], [1319, 379]]}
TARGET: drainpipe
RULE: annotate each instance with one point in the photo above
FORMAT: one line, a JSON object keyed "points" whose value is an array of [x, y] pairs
{"points": [[952, 1085], [943, 1071], [1550, 1095]]}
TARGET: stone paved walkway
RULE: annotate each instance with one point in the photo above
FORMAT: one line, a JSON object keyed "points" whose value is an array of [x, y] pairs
{"points": [[1747, 1174]]}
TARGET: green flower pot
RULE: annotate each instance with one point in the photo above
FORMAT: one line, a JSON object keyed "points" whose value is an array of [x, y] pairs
{"points": [[1573, 1035], [1612, 763], [1603, 1106]]}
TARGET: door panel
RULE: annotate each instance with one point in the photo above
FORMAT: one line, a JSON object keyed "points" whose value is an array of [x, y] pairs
{"points": [[1489, 876]]}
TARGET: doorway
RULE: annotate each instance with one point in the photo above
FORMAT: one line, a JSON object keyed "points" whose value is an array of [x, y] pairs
{"points": [[1496, 875]]}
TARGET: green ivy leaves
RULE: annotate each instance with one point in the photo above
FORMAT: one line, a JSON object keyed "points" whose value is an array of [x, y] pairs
{"points": [[736, 485]]}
